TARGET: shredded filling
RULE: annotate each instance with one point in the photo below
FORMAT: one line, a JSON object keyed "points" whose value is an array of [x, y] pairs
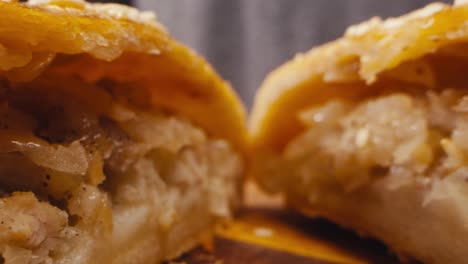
{"points": [[401, 138], [84, 173]]}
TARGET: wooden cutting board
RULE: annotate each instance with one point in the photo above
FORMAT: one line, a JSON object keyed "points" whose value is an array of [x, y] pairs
{"points": [[275, 236], [266, 233]]}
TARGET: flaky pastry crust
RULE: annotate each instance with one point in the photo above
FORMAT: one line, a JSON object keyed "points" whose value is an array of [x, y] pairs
{"points": [[101, 41]]}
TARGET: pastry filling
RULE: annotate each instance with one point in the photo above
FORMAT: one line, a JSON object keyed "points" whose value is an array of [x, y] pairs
{"points": [[84, 172], [400, 138]]}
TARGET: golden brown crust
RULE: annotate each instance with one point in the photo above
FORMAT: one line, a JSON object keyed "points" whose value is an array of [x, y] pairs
{"points": [[349, 67], [99, 41], [425, 49]]}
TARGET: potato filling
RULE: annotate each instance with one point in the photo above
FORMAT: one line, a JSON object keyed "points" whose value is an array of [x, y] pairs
{"points": [[85, 174], [397, 137]]}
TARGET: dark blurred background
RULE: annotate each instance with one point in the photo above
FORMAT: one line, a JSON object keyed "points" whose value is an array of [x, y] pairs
{"points": [[246, 39]]}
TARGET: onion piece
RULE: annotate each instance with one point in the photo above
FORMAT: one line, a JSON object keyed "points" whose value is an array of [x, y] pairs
{"points": [[68, 159]]}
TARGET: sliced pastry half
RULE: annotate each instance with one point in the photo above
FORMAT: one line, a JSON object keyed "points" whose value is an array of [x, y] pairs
{"points": [[371, 131], [117, 144]]}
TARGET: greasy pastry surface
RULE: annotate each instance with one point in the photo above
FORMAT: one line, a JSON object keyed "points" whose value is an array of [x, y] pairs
{"points": [[111, 145], [92, 35], [350, 66], [370, 131]]}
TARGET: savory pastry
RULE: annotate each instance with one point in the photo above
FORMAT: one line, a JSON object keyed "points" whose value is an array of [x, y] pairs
{"points": [[371, 131], [117, 144]]}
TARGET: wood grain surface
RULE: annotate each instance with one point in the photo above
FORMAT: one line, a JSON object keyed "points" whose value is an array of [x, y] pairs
{"points": [[266, 233], [277, 236]]}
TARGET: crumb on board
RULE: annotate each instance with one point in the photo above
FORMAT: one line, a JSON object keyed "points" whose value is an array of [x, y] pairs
{"points": [[263, 232]]}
